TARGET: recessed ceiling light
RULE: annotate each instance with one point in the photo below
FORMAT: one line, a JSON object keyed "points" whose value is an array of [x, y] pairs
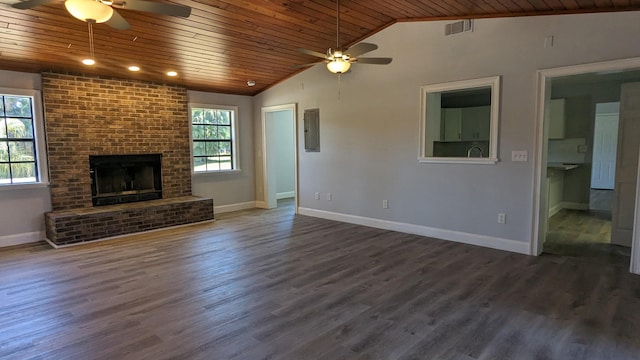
{"points": [[251, 83], [172, 73], [134, 68], [88, 61]]}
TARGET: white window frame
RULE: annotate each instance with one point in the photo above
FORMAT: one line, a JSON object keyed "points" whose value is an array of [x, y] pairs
{"points": [[494, 83], [39, 138], [235, 158]]}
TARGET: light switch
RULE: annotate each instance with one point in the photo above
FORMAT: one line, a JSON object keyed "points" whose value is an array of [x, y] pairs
{"points": [[519, 155]]}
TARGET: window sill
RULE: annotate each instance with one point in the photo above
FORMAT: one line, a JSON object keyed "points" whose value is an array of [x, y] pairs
{"points": [[24, 186], [453, 160], [205, 173]]}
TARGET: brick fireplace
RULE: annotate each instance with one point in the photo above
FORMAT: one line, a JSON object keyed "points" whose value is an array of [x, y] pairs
{"points": [[95, 116]]}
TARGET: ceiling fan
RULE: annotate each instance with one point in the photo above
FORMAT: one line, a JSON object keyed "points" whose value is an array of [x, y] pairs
{"points": [[103, 11], [339, 61]]}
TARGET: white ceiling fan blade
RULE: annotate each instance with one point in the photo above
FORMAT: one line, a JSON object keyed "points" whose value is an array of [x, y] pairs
{"points": [[375, 61], [155, 7], [312, 53], [306, 65], [24, 5], [361, 48], [118, 22]]}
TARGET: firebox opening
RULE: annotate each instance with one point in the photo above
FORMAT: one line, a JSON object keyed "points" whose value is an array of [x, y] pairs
{"points": [[119, 179]]}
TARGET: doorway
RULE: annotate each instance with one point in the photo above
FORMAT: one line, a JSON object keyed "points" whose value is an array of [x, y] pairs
{"points": [[280, 156], [603, 164], [579, 143]]}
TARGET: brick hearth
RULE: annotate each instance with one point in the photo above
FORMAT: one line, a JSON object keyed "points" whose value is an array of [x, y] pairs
{"points": [[80, 225]]}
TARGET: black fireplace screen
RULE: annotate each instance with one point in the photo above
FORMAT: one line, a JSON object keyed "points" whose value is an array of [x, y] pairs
{"points": [[125, 178]]}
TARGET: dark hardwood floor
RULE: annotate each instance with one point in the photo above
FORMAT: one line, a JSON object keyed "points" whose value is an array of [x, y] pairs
{"points": [[265, 284]]}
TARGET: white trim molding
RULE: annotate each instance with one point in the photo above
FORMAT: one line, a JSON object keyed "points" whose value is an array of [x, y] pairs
{"points": [[544, 77], [19, 239], [426, 156], [554, 210], [262, 205], [270, 195], [220, 209], [452, 160], [443, 234], [285, 195], [575, 205], [634, 267]]}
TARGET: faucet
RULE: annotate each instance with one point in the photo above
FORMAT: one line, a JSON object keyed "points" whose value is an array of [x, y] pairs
{"points": [[475, 147]]}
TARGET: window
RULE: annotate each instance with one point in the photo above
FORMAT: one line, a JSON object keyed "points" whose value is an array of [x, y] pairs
{"points": [[459, 122], [213, 133], [20, 138]]}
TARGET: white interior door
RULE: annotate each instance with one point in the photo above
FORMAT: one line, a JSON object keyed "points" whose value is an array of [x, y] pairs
{"points": [[605, 143], [626, 165]]}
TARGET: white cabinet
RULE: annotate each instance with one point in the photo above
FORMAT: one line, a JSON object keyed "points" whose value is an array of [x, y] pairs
{"points": [[476, 123], [466, 124], [556, 119], [451, 124]]}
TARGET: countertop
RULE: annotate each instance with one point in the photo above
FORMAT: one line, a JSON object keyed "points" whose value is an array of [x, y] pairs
{"points": [[562, 166]]}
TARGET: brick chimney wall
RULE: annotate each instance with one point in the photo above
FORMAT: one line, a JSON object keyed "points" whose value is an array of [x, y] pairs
{"points": [[90, 115]]}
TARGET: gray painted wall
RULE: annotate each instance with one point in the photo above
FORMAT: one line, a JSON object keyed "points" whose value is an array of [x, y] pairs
{"points": [[233, 187], [283, 147], [370, 134], [22, 210]]}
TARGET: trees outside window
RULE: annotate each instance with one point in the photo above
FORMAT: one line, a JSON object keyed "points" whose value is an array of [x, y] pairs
{"points": [[213, 134]]}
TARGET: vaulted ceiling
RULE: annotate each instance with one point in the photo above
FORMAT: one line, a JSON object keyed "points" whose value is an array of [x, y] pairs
{"points": [[225, 43]]}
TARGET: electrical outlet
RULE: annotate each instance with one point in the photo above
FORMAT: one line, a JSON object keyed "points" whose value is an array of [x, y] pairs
{"points": [[317, 196], [329, 196], [519, 156], [385, 204], [502, 218]]}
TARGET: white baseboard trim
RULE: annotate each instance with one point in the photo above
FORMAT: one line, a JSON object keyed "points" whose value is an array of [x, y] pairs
{"points": [[261, 204], [56, 246], [23, 238], [234, 207], [575, 206], [285, 195], [556, 209], [457, 236]]}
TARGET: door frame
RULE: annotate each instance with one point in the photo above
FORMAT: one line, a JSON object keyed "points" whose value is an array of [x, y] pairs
{"points": [[265, 158], [635, 240], [543, 95]]}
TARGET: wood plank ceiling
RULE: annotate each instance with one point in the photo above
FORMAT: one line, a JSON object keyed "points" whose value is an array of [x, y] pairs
{"points": [[225, 43]]}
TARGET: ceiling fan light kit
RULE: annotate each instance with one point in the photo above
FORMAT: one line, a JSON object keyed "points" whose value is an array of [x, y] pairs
{"points": [[338, 66], [339, 62], [86, 10]]}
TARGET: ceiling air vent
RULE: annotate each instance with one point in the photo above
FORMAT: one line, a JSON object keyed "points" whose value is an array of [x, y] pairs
{"points": [[458, 27]]}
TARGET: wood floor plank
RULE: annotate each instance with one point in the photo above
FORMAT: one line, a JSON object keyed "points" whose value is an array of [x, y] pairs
{"points": [[268, 284]]}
